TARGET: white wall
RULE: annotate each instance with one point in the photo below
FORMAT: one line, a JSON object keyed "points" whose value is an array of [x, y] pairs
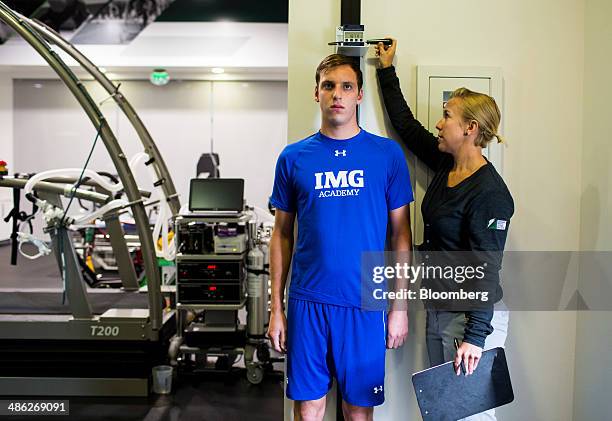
{"points": [[250, 130], [51, 130], [178, 117], [246, 119], [596, 188], [538, 46], [307, 46], [594, 328], [6, 148]]}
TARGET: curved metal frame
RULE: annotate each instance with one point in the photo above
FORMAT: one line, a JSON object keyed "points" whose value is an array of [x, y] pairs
{"points": [[112, 146], [18, 183], [149, 145]]}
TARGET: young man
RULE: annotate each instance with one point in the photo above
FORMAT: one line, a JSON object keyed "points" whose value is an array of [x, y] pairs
{"points": [[345, 186]]}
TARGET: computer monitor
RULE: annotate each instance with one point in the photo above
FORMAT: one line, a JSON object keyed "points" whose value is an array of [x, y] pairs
{"points": [[216, 195]]}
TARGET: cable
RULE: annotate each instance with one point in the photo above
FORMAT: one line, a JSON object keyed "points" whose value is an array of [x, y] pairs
{"points": [[82, 205], [62, 220], [80, 180]]}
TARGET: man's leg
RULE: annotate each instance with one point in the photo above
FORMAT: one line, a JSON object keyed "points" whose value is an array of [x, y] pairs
{"points": [[309, 410], [357, 413], [358, 345], [308, 375]]}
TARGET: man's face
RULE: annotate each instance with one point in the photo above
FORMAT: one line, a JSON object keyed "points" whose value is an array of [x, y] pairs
{"points": [[338, 95]]}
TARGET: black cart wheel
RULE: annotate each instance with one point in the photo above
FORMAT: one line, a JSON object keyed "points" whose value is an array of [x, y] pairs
{"points": [[255, 374]]}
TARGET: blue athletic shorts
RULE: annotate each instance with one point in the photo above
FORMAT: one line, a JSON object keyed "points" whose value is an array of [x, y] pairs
{"points": [[326, 341]]}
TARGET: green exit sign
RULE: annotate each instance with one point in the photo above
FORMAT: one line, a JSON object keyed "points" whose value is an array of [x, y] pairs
{"points": [[159, 77]]}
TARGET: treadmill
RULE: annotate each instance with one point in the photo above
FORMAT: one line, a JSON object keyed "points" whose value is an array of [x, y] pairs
{"points": [[76, 341]]}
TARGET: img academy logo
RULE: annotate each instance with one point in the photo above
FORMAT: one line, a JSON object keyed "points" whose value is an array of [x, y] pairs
{"points": [[342, 183]]}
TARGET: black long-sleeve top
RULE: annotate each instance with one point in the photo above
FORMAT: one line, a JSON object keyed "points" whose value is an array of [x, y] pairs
{"points": [[471, 216]]}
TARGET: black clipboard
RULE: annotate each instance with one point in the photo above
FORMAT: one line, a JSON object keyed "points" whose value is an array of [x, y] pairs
{"points": [[444, 396]]}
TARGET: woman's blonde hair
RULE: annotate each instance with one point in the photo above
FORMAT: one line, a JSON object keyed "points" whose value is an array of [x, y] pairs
{"points": [[482, 109]]}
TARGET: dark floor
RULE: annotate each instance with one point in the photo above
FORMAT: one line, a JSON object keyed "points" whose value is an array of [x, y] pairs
{"points": [[194, 397]]}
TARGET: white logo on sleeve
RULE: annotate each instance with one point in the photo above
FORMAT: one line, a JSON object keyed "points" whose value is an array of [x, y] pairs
{"points": [[497, 224], [378, 390], [340, 153], [337, 184]]}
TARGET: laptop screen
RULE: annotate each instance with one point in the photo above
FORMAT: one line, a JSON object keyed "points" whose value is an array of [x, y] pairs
{"points": [[216, 194]]}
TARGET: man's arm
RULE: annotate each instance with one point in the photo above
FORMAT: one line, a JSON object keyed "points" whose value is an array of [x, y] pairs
{"points": [[281, 249], [401, 243]]}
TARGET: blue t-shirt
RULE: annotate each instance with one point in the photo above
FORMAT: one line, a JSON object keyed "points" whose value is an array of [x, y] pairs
{"points": [[342, 192]]}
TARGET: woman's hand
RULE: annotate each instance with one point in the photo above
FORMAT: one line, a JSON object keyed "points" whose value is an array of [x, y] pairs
{"points": [[470, 354], [385, 53]]}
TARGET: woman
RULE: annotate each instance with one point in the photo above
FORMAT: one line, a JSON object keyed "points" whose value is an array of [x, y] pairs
{"points": [[467, 207]]}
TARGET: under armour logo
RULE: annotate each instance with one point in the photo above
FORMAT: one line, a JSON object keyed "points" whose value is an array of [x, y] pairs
{"points": [[378, 390], [342, 152]]}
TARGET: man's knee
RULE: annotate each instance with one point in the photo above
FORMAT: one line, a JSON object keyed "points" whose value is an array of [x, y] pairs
{"points": [[309, 410], [357, 413]]}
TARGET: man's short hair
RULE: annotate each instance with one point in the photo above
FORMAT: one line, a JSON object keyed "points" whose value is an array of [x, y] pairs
{"points": [[335, 60]]}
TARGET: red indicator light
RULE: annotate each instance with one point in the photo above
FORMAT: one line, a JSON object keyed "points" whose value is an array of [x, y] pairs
{"points": [[212, 288], [211, 267]]}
